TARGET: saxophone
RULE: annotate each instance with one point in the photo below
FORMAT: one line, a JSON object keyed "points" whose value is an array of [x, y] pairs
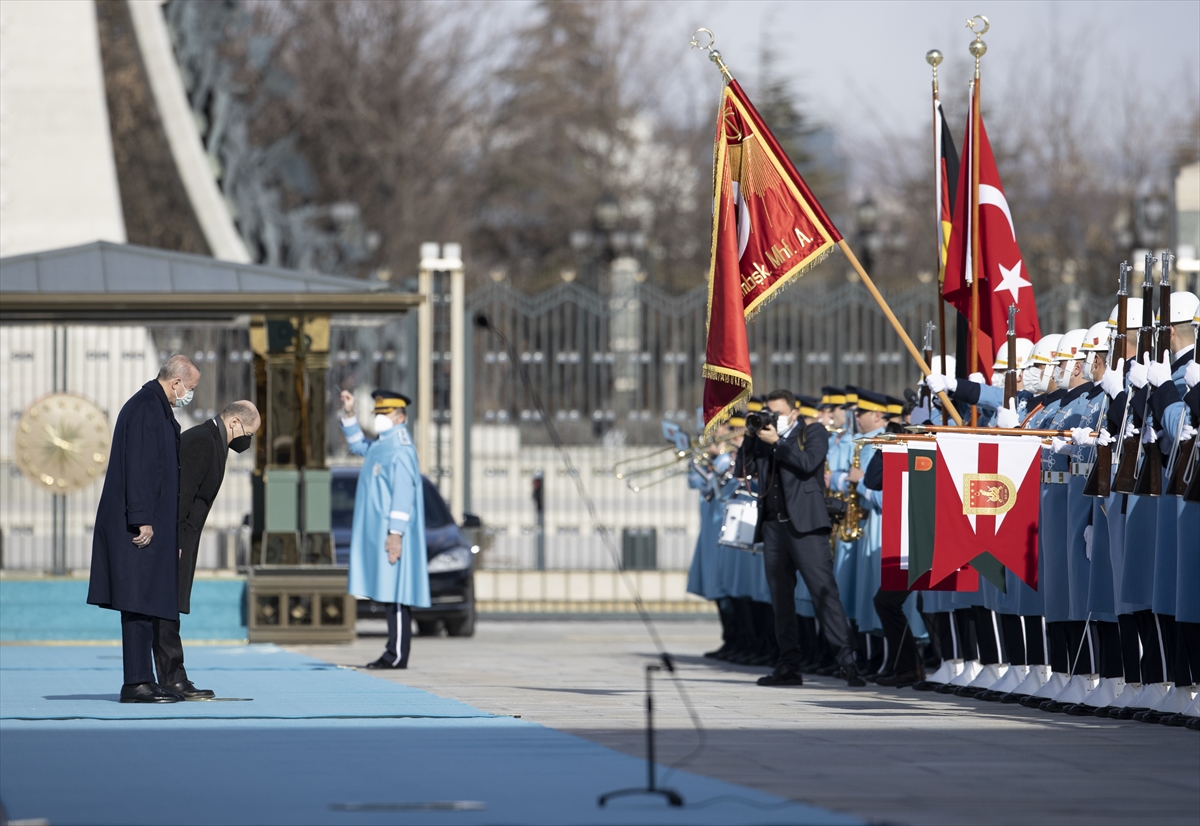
{"points": [[851, 527]]}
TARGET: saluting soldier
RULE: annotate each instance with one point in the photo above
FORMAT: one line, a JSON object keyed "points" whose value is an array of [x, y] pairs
{"points": [[387, 544]]}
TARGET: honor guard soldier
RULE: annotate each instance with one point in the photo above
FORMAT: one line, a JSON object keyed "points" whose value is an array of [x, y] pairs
{"points": [[710, 478], [387, 545]]}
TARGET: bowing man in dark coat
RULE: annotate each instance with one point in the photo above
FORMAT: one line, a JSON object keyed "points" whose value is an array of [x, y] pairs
{"points": [[203, 450], [135, 553], [788, 459]]}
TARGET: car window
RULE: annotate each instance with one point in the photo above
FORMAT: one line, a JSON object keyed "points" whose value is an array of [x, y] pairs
{"points": [[341, 500], [437, 514]]}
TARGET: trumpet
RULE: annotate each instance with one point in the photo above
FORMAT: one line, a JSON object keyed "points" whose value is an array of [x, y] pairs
{"points": [[641, 472]]}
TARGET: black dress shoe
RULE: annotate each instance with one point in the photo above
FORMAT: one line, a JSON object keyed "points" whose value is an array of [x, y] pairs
{"points": [[946, 688], [1193, 723], [849, 673], [1012, 698], [147, 693], [781, 678], [1030, 701], [877, 676], [1103, 712], [1080, 710], [384, 662], [967, 691], [901, 680], [989, 696], [1125, 713], [1175, 720], [187, 691], [719, 653]]}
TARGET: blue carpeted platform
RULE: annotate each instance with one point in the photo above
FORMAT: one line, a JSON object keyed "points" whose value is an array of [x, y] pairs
{"points": [[317, 745]]}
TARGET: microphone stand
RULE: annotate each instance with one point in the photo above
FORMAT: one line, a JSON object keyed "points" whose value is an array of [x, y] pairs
{"points": [[671, 795]]}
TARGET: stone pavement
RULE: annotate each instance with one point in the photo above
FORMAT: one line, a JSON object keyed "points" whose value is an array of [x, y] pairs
{"points": [[895, 756]]}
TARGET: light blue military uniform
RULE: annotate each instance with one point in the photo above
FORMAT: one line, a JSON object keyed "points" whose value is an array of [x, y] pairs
{"points": [[704, 576], [1166, 550], [845, 554], [1141, 532], [870, 547], [1187, 589], [1084, 412], [389, 498]]}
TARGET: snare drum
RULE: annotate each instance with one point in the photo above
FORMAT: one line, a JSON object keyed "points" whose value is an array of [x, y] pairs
{"points": [[741, 519]]}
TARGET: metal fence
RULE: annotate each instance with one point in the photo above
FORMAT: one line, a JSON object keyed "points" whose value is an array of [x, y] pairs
{"points": [[608, 369]]}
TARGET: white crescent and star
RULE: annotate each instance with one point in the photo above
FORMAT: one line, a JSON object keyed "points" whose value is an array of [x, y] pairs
{"points": [[1010, 279], [992, 196]]}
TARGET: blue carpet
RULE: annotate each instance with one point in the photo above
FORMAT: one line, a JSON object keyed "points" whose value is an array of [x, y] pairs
{"points": [[308, 753]]}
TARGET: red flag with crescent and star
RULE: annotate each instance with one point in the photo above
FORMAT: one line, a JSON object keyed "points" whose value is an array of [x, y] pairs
{"points": [[1003, 277], [767, 229]]}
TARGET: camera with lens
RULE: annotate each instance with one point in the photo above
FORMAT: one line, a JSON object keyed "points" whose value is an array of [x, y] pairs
{"points": [[757, 420]]}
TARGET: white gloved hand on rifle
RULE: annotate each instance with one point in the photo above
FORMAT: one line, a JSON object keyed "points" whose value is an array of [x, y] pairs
{"points": [[938, 383], [1137, 372], [1105, 438], [1082, 436], [1187, 433], [1113, 381], [1007, 416], [1130, 430], [1158, 373], [1191, 374], [1149, 435]]}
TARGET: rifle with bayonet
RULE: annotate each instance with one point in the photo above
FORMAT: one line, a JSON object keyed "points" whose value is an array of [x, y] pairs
{"points": [[1129, 447], [1099, 481], [926, 397], [1150, 462], [1010, 375]]}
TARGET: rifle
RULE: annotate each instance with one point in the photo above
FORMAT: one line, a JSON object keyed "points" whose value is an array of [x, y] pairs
{"points": [[1182, 455], [1099, 481], [1130, 448], [1010, 375], [1150, 462], [926, 397]]}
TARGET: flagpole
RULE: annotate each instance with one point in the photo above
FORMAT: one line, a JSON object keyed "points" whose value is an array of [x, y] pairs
{"points": [[947, 405], [977, 49], [933, 57]]}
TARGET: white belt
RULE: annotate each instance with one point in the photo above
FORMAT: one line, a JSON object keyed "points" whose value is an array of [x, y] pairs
{"points": [[1054, 477], [1081, 468]]}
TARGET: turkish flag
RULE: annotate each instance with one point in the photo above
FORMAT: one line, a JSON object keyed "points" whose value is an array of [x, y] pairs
{"points": [[987, 500], [1003, 277], [767, 229], [896, 559]]}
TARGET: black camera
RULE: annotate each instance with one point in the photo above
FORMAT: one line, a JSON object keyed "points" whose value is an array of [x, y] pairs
{"points": [[757, 420]]}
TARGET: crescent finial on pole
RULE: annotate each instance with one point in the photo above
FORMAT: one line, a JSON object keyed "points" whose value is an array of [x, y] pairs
{"points": [[713, 54], [979, 26]]}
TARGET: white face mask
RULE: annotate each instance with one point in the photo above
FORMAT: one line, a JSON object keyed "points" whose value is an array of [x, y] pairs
{"points": [[782, 422], [1060, 375], [185, 399], [998, 378], [383, 424], [1030, 376]]}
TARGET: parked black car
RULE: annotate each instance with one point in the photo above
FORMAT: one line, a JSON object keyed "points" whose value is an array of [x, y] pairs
{"points": [[451, 558]]}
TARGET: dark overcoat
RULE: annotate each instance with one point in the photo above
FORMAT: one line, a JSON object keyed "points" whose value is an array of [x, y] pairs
{"points": [[797, 460], [141, 487], [202, 469]]}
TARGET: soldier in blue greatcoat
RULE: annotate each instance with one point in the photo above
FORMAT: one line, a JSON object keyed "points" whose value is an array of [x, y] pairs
{"points": [[387, 544]]}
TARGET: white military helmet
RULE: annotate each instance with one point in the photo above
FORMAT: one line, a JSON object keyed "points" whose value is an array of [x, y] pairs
{"points": [[1070, 346], [1098, 338], [1043, 351], [1024, 348], [1133, 314], [1184, 307]]}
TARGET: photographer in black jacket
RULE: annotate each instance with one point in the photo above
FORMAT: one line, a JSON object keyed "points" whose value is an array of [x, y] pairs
{"points": [[788, 461]]}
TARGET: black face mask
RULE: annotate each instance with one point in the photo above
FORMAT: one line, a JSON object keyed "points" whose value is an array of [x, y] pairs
{"points": [[239, 444]]}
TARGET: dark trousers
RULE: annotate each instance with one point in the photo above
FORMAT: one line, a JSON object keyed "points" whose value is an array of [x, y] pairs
{"points": [[1035, 641], [399, 624], [785, 552], [965, 646], [149, 642], [1012, 635], [986, 635], [1109, 655], [168, 652], [902, 648]]}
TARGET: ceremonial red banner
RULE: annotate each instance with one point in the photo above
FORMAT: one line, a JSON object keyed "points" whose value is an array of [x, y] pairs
{"points": [[767, 229], [895, 559], [987, 500], [1003, 277]]}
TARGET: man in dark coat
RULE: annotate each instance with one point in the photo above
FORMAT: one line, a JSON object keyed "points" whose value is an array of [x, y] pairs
{"points": [[203, 450], [788, 460], [135, 553]]}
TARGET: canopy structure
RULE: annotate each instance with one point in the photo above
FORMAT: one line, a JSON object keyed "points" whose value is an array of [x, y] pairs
{"points": [[103, 281]]}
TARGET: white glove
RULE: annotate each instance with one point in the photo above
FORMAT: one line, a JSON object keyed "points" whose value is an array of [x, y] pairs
{"points": [[1137, 372], [1159, 372], [1149, 436], [1087, 542], [1007, 416], [1191, 376], [1130, 430], [1082, 436], [1105, 438], [1060, 446], [1113, 381], [977, 378], [938, 383], [1187, 433]]}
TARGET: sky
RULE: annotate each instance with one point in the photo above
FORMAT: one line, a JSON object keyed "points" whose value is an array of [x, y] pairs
{"points": [[861, 65]]}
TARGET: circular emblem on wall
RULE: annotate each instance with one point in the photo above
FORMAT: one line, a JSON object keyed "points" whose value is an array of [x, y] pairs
{"points": [[62, 443]]}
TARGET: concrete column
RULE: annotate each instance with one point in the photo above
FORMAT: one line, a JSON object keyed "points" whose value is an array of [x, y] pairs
{"points": [[459, 415], [424, 429]]}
